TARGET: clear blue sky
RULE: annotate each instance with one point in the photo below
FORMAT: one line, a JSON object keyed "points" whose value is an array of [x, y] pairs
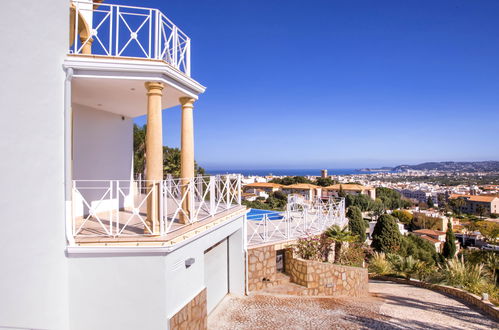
{"points": [[338, 84]]}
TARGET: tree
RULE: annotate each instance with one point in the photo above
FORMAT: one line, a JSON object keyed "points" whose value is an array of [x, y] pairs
{"points": [[442, 204], [139, 149], [449, 250], [356, 223], [377, 208], [403, 216], [430, 202], [341, 192], [490, 230], [363, 202], [390, 198], [171, 156], [339, 236], [324, 182], [386, 235], [288, 180]]}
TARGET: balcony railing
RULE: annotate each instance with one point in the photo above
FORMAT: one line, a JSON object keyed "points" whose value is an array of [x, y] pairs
{"points": [[300, 219], [116, 208], [125, 31]]}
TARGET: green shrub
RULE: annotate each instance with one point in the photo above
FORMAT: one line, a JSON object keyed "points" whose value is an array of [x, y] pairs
{"points": [[313, 247], [456, 272], [378, 264], [412, 245], [353, 255]]}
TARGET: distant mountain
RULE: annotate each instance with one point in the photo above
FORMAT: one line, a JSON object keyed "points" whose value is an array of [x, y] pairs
{"points": [[486, 166]]}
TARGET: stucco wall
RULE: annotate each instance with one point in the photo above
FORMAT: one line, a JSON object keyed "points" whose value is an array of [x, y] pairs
{"points": [[118, 292], [102, 145], [184, 283], [33, 279], [144, 291], [102, 150]]}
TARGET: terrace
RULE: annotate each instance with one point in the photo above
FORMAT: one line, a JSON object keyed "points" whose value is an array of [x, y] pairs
{"points": [[137, 212]]}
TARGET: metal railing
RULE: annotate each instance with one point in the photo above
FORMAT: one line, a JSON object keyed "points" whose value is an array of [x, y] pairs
{"points": [[300, 219], [114, 208], [126, 31]]}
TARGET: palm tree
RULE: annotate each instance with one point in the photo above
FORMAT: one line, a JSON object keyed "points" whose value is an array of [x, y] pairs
{"points": [[339, 236]]}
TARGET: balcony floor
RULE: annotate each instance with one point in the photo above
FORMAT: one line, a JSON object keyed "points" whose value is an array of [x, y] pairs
{"points": [[94, 234]]}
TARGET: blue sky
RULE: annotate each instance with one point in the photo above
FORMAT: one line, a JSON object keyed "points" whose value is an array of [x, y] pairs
{"points": [[339, 84]]}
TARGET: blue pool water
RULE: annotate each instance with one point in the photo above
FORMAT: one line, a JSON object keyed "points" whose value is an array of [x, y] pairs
{"points": [[257, 215]]}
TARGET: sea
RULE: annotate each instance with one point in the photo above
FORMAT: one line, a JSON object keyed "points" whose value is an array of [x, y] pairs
{"points": [[290, 172]]}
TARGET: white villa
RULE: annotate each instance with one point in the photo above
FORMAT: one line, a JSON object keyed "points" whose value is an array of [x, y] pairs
{"points": [[84, 245]]}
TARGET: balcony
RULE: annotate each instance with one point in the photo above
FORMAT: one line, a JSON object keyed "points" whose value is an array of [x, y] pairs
{"points": [[113, 31], [136, 212]]}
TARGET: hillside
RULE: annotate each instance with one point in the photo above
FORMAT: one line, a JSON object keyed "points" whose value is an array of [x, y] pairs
{"points": [[484, 166]]}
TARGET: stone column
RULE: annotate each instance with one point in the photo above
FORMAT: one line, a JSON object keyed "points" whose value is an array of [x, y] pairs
{"points": [[154, 153], [187, 153]]}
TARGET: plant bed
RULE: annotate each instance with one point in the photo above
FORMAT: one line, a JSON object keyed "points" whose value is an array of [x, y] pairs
{"points": [[324, 278]]}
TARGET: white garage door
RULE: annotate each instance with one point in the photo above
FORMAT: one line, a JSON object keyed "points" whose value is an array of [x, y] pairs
{"points": [[216, 273]]}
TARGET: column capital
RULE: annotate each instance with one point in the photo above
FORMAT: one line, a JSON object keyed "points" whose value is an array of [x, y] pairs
{"points": [[154, 88], [187, 102]]}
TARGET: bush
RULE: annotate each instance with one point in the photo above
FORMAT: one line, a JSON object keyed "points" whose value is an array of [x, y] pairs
{"points": [[404, 267], [386, 235], [378, 264], [315, 248], [353, 255], [412, 245], [456, 272]]}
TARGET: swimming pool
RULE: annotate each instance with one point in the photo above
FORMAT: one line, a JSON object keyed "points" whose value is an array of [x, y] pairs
{"points": [[257, 215]]}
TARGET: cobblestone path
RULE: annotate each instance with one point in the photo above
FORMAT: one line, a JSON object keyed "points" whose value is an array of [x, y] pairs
{"points": [[389, 306]]}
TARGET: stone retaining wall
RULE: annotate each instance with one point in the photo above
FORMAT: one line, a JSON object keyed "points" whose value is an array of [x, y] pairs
{"points": [[261, 267], [485, 306], [194, 315], [326, 279]]}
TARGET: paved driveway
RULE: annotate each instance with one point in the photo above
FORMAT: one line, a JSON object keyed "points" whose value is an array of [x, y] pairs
{"points": [[390, 306]]}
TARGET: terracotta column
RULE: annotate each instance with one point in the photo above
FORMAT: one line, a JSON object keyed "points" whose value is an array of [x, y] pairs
{"points": [[187, 153], [154, 153], [87, 48]]}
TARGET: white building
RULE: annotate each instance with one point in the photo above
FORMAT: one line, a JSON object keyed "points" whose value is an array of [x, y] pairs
{"points": [[83, 245]]}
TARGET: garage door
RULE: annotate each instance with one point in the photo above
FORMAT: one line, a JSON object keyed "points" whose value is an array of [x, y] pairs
{"points": [[216, 274]]}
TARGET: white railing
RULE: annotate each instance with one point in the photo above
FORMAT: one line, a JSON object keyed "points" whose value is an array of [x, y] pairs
{"points": [[125, 31], [301, 218], [114, 208]]}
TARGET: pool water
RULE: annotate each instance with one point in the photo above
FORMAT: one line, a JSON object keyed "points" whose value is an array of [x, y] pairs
{"points": [[257, 215]]}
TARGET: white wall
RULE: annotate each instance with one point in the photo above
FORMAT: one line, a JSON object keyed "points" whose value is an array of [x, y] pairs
{"points": [[117, 293], [102, 150], [33, 279], [184, 283], [144, 291], [102, 145]]}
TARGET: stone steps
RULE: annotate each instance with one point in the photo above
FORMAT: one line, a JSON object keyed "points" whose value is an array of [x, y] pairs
{"points": [[283, 286]]}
